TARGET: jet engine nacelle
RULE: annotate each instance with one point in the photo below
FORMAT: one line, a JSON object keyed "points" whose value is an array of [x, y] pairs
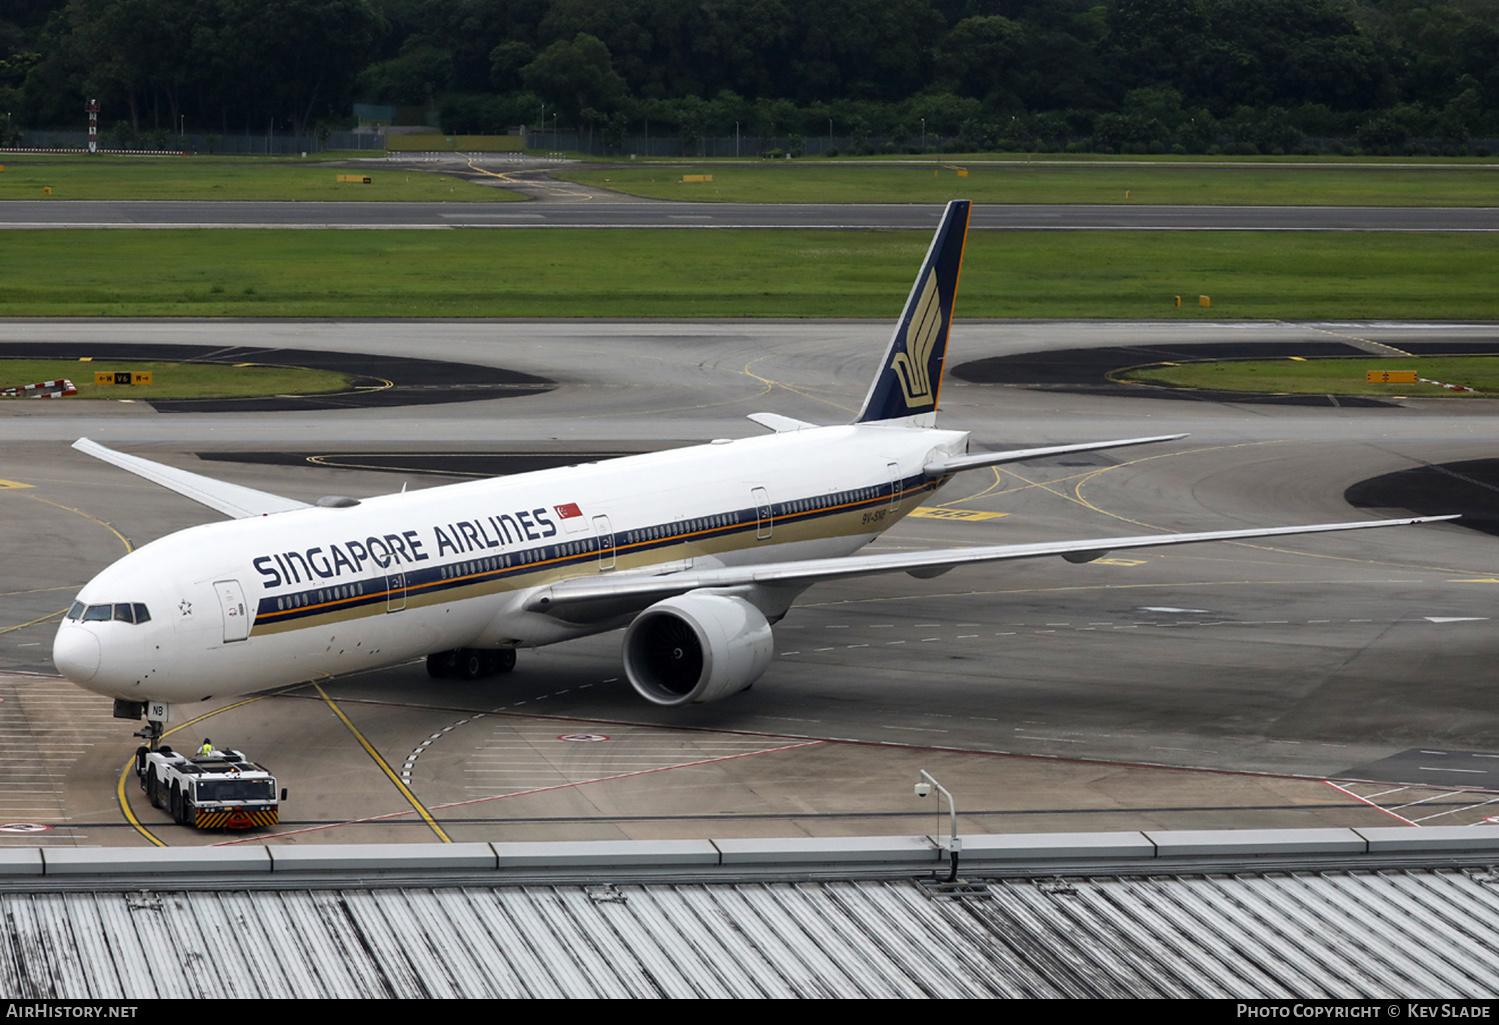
{"points": [[696, 647]]}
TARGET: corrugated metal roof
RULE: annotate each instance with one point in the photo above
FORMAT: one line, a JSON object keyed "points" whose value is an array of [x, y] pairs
{"points": [[1390, 933]]}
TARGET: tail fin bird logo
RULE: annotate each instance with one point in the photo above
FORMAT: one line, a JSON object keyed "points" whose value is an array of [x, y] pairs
{"points": [[913, 367]]}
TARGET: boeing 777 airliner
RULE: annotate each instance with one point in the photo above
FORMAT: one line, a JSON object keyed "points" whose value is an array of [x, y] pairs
{"points": [[697, 552]]}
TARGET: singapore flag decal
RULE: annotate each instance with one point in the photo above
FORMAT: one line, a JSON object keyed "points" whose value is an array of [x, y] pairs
{"points": [[571, 517]]}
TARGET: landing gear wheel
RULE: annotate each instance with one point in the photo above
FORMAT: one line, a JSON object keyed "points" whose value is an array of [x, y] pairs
{"points": [[443, 665], [471, 664]]}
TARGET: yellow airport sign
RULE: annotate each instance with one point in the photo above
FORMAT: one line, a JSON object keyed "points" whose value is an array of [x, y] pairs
{"points": [[357, 179], [697, 177], [1390, 377], [122, 377]]}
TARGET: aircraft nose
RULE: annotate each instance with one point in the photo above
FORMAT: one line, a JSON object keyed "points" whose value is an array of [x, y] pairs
{"points": [[75, 651]]}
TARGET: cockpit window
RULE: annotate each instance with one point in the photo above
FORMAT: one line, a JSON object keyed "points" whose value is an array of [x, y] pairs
{"points": [[120, 612]]}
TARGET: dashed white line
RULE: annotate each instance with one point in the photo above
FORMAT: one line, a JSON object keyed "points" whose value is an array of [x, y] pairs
{"points": [[1435, 768]]}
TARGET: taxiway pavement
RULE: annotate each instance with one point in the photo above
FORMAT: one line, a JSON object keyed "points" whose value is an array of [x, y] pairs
{"points": [[1216, 685]]}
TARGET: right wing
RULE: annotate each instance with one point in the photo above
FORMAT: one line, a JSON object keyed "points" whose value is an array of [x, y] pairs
{"points": [[229, 499], [586, 599]]}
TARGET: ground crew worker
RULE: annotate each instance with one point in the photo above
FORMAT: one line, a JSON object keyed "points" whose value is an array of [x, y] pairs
{"points": [[207, 748]]}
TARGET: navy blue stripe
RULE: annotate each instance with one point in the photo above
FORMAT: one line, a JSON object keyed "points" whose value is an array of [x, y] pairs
{"points": [[485, 568]]}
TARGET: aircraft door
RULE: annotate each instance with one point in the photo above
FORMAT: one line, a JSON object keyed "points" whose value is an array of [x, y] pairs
{"points": [[232, 605], [764, 521], [894, 469], [605, 532], [395, 592]]}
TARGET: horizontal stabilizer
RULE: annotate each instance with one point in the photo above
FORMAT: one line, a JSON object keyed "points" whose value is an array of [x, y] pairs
{"points": [[229, 499], [953, 464], [780, 424], [614, 593]]}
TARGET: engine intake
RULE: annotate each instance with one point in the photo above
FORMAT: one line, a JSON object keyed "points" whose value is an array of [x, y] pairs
{"points": [[696, 648]]}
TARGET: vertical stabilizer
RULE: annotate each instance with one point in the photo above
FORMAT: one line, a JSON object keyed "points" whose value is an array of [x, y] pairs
{"points": [[910, 375]]}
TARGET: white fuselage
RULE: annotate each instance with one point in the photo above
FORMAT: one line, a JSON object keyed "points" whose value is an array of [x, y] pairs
{"points": [[231, 608]]}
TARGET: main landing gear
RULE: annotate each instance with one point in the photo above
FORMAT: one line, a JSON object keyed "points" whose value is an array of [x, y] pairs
{"points": [[470, 663]]}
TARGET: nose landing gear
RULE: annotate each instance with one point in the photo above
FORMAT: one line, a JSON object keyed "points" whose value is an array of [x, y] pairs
{"points": [[151, 734], [154, 727]]}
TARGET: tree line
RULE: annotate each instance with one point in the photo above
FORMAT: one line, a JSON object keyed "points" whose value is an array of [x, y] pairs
{"points": [[1121, 75]]}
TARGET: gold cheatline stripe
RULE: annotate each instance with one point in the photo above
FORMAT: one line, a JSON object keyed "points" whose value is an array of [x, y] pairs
{"points": [[285, 616], [384, 767]]}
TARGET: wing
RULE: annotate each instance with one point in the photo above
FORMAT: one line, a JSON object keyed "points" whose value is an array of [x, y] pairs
{"points": [[779, 423], [229, 499], [591, 599], [943, 467]]}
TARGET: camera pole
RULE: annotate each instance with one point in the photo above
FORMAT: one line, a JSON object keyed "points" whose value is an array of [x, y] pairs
{"points": [[954, 844]]}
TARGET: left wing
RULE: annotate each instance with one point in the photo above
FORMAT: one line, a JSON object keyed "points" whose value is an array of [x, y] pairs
{"points": [[583, 599], [779, 423], [230, 499], [973, 461]]}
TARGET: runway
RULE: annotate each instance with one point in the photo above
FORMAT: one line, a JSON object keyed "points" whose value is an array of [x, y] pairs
{"points": [[579, 208], [1213, 685]]}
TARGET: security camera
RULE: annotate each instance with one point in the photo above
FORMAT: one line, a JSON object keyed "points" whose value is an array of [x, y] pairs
{"points": [[923, 789]]}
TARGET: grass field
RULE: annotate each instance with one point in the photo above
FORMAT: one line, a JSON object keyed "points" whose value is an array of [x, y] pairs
{"points": [[1327, 376], [173, 380], [927, 180], [628, 273], [231, 178], [1247, 184]]}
